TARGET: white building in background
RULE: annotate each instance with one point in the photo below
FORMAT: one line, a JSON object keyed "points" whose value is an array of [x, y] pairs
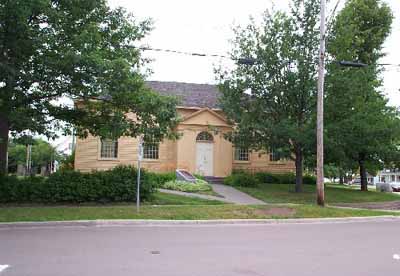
{"points": [[388, 176], [384, 176]]}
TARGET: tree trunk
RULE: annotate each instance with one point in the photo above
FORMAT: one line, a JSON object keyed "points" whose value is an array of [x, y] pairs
{"points": [[363, 173], [299, 169], [341, 179], [4, 129]]}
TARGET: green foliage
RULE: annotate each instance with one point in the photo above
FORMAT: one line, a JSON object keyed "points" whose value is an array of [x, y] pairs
{"points": [[158, 179], [265, 177], [16, 154], [361, 129], [116, 185], [249, 180], [277, 178], [282, 82], [160, 198], [309, 179], [281, 193], [332, 171], [43, 153], [81, 50], [242, 180], [199, 176], [68, 162], [185, 186]]}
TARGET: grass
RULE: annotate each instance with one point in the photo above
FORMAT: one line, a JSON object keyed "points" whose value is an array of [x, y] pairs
{"points": [[177, 212], [169, 199], [168, 206], [284, 193], [158, 198]]}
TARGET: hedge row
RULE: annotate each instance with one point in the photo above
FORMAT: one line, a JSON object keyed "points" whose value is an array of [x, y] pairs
{"points": [[252, 180], [116, 185], [283, 178]]}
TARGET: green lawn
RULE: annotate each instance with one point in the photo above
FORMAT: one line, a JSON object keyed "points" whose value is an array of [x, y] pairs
{"points": [[176, 212], [169, 199], [167, 206], [284, 193]]}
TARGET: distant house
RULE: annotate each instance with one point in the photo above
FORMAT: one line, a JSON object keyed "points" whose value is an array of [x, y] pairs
{"points": [[201, 149], [388, 176]]}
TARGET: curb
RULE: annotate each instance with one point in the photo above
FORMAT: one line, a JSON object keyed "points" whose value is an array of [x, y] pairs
{"points": [[363, 209], [239, 222]]}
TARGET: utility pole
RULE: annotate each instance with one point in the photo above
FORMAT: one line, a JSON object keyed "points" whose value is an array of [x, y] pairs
{"points": [[140, 156], [320, 111], [28, 165]]}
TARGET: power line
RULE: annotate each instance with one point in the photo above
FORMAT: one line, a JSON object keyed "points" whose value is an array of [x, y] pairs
{"points": [[332, 14], [183, 52], [197, 54]]}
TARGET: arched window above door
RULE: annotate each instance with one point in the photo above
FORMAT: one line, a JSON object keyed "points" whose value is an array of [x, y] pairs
{"points": [[204, 136]]}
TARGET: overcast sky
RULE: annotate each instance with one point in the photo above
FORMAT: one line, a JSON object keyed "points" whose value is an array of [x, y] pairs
{"points": [[206, 27]]}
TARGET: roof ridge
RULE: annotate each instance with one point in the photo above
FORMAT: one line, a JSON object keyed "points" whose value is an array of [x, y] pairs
{"points": [[180, 82], [191, 94]]}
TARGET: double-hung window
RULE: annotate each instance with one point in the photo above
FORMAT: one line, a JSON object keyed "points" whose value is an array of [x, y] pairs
{"points": [[274, 155], [241, 154], [150, 150], [109, 149]]}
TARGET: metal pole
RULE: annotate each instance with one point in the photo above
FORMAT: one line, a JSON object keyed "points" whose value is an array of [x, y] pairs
{"points": [[320, 111], [7, 162], [27, 160], [30, 160], [73, 140], [140, 156]]}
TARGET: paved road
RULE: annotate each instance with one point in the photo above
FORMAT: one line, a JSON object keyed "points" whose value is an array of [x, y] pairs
{"points": [[363, 248]]}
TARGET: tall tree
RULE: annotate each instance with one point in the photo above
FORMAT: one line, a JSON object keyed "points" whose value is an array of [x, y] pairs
{"points": [[43, 153], [360, 124], [76, 49], [273, 101]]}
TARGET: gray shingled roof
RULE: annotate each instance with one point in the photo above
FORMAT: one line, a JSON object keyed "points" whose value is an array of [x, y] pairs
{"points": [[189, 94]]}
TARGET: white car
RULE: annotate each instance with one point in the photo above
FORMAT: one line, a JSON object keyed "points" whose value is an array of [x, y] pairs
{"points": [[395, 186], [357, 181]]}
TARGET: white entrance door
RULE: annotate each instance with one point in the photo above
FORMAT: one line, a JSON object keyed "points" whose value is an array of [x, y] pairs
{"points": [[204, 159]]}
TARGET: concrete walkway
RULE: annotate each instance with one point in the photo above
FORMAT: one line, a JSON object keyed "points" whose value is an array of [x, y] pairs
{"points": [[235, 196], [229, 195], [209, 197]]}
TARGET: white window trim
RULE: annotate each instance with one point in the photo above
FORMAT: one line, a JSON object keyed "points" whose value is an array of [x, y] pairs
{"points": [[241, 161], [99, 157], [152, 159]]}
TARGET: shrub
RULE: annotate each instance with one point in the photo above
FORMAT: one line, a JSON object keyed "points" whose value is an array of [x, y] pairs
{"points": [[242, 179], [264, 177], [157, 179], [185, 186], [199, 176], [309, 179], [279, 178], [116, 185], [286, 178]]}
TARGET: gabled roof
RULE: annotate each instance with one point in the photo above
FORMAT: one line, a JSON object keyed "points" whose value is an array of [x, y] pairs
{"points": [[205, 116], [189, 94]]}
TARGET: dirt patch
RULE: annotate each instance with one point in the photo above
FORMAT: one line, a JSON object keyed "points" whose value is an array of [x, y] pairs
{"points": [[390, 205], [277, 212]]}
